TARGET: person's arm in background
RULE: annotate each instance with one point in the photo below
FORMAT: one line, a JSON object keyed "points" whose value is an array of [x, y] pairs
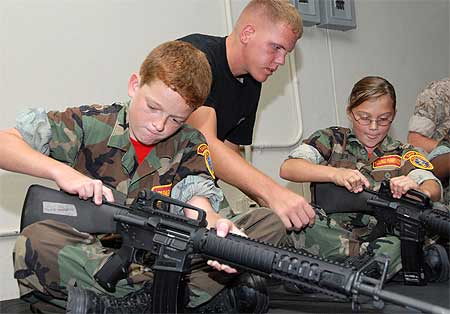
{"points": [[17, 155], [232, 168], [419, 140], [427, 117]]}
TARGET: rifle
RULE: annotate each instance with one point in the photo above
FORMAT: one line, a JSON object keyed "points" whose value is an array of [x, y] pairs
{"points": [[168, 243], [411, 217]]}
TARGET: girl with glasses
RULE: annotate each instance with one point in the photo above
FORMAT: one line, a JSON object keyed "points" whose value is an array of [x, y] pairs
{"points": [[359, 157]]}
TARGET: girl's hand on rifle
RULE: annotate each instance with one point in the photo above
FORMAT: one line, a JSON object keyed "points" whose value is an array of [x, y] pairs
{"points": [[401, 185], [352, 180]]}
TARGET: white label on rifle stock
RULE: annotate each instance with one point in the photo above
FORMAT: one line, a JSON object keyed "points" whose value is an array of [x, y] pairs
{"points": [[59, 209]]}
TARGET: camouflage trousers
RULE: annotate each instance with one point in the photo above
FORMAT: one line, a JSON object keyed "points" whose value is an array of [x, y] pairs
{"points": [[50, 256], [332, 241]]}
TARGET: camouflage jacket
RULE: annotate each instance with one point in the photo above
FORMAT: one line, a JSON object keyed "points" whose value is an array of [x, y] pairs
{"points": [[94, 139], [431, 116], [339, 147]]}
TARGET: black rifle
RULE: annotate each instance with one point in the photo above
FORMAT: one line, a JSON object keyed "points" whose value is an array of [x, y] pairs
{"points": [[168, 243], [411, 217]]}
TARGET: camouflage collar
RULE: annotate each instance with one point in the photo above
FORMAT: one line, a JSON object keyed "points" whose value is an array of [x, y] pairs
{"points": [[120, 136], [389, 144]]}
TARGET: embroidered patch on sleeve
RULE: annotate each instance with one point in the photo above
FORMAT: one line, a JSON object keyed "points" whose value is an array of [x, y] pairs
{"points": [[388, 161], [163, 189], [408, 155], [203, 150], [421, 162]]}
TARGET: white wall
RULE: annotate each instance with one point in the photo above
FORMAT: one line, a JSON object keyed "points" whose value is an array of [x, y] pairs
{"points": [[406, 41], [56, 53]]}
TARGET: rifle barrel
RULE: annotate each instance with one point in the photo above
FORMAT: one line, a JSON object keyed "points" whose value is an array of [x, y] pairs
{"points": [[401, 300]]}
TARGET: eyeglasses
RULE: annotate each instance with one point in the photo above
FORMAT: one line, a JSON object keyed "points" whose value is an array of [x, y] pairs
{"points": [[367, 121]]}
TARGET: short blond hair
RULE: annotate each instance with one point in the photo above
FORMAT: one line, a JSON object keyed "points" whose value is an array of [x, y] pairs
{"points": [[182, 67], [277, 11]]}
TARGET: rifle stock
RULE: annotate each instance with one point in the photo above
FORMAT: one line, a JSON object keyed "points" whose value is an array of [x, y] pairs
{"points": [[43, 203], [174, 240]]}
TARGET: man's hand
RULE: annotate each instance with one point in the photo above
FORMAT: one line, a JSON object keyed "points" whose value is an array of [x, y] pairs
{"points": [[293, 210], [223, 227], [73, 182], [352, 180], [402, 184]]}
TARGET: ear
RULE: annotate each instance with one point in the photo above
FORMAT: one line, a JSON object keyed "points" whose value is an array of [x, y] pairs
{"points": [[133, 84], [349, 113], [247, 32]]}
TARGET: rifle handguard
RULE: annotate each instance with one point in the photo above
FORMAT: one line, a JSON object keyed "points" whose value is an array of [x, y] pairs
{"points": [[437, 222]]}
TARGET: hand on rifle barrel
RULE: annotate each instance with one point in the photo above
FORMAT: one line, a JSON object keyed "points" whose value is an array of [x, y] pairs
{"points": [[223, 227]]}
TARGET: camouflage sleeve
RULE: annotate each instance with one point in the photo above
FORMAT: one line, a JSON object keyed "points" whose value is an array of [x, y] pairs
{"points": [[196, 159], [35, 129], [424, 118], [67, 134], [196, 186], [307, 152], [421, 125], [431, 113], [322, 143], [195, 173], [421, 175]]}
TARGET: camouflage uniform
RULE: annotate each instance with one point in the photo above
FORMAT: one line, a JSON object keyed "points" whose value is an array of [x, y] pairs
{"points": [[346, 233], [431, 116], [443, 147], [50, 256]]}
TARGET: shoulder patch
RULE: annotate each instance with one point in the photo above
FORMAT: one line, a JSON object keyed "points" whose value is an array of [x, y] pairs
{"points": [[421, 162], [203, 150], [409, 154], [388, 161]]}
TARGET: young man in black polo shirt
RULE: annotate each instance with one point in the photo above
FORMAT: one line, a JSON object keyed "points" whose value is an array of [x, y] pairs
{"points": [[266, 31]]}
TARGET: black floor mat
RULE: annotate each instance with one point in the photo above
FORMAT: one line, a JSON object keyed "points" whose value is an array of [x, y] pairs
{"points": [[283, 302]]}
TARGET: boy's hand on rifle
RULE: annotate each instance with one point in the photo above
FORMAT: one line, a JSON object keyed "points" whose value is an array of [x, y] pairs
{"points": [[223, 227], [74, 182]]}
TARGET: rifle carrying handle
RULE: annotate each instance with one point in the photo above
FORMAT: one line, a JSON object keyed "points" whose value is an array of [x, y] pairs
{"points": [[425, 200]]}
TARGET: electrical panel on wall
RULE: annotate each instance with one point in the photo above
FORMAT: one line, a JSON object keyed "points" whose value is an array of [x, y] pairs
{"points": [[331, 14], [309, 10], [337, 14]]}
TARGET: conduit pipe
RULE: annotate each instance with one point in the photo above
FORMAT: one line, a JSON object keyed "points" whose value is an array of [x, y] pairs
{"points": [[333, 80]]}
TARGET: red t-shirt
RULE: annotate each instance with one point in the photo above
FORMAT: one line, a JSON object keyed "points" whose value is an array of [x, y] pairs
{"points": [[141, 150]]}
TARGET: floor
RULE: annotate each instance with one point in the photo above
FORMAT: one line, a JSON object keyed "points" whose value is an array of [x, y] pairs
{"points": [[288, 303]]}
